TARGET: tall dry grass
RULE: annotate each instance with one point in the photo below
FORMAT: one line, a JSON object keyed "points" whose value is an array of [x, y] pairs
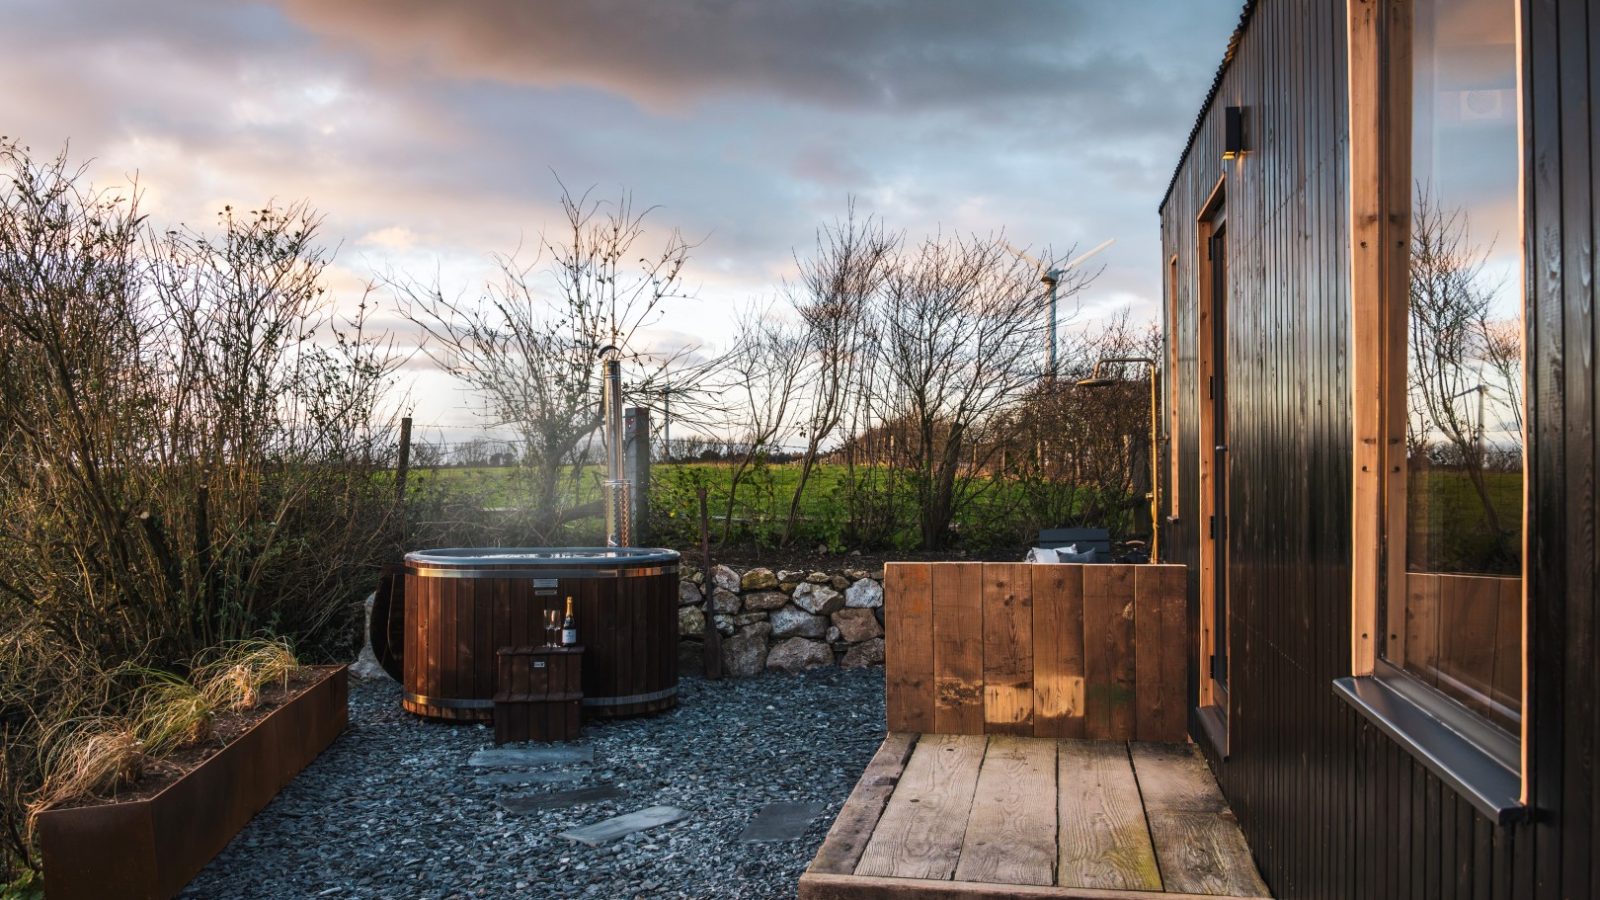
{"points": [[231, 678], [100, 752]]}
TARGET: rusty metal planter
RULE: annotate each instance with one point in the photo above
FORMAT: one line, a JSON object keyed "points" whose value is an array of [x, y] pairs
{"points": [[151, 848]]}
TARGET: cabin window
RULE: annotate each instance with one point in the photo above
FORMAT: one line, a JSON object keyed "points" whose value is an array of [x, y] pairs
{"points": [[1436, 272], [1439, 362], [1461, 587]]}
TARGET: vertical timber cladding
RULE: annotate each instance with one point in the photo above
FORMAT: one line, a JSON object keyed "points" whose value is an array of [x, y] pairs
{"points": [[1561, 43], [1331, 807], [1067, 651]]}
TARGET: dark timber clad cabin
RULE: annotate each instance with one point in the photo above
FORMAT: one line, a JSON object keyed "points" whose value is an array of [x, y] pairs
{"points": [[1389, 524]]}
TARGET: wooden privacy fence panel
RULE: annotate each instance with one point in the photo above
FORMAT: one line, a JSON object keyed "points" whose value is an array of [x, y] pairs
{"points": [[1065, 651]]}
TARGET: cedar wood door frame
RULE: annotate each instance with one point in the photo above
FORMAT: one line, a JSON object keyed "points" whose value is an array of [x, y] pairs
{"points": [[1174, 390], [1206, 369]]}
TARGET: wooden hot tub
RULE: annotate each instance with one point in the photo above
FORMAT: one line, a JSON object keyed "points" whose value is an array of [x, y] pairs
{"points": [[461, 605]]}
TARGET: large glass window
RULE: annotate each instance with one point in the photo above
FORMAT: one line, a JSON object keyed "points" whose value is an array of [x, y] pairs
{"points": [[1461, 628]]}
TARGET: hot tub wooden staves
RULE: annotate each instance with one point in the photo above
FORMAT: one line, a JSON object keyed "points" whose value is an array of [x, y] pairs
{"points": [[462, 605]]}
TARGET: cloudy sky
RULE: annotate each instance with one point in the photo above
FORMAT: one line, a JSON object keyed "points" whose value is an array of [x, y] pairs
{"points": [[427, 133]]}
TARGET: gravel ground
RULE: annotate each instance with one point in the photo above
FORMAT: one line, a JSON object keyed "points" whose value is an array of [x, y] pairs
{"points": [[392, 809]]}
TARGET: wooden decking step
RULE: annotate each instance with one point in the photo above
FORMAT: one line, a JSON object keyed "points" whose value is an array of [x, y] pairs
{"points": [[975, 817]]}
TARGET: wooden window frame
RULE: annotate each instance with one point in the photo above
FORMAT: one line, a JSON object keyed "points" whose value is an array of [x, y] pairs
{"points": [[1379, 45]]}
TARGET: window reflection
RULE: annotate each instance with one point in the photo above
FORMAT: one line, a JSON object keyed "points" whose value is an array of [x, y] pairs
{"points": [[1464, 449]]}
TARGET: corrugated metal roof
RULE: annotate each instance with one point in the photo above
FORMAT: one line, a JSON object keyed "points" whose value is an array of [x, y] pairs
{"points": [[1211, 95]]}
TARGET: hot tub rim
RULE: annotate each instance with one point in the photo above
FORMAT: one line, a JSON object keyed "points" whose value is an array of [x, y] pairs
{"points": [[508, 562]]}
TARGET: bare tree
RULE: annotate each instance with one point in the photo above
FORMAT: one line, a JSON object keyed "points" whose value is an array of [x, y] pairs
{"points": [[532, 352], [184, 418], [72, 302], [871, 498], [1502, 356], [258, 370], [1077, 455], [473, 453], [833, 295], [689, 448], [763, 372], [1456, 348], [959, 325], [427, 454]]}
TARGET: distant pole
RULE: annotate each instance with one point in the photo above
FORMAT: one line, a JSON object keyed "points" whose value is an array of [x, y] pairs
{"points": [[1482, 389], [1049, 280], [666, 424], [405, 460]]}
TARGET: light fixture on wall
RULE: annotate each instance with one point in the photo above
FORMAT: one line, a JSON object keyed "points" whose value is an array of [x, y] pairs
{"points": [[1233, 137]]}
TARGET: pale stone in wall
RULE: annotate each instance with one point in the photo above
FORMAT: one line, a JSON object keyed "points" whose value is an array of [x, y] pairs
{"points": [[815, 598], [725, 578], [864, 594], [790, 622], [799, 654]]}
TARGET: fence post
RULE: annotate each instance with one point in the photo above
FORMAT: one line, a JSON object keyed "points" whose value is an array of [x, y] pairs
{"points": [[402, 469], [405, 460]]}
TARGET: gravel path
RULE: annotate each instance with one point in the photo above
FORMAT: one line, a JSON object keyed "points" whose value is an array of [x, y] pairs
{"points": [[392, 809]]}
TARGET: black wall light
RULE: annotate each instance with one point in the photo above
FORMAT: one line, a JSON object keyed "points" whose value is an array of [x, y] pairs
{"points": [[1233, 142]]}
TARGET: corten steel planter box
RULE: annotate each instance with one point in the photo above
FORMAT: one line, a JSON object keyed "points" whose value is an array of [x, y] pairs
{"points": [[152, 848]]}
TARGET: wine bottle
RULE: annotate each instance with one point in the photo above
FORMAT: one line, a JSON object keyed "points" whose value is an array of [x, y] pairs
{"points": [[569, 628]]}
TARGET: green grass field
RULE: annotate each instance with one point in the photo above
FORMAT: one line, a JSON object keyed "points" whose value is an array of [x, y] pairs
{"points": [[1446, 529], [1446, 523], [880, 512]]}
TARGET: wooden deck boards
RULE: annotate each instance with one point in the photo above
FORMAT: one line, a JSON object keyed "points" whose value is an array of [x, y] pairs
{"points": [[1104, 840], [1199, 845], [970, 817], [1011, 832], [853, 827], [920, 832]]}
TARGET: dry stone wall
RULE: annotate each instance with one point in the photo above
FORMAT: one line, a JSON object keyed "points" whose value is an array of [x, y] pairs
{"points": [[789, 620]]}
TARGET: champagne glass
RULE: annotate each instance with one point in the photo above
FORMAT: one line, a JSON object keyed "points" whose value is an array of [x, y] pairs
{"points": [[552, 625]]}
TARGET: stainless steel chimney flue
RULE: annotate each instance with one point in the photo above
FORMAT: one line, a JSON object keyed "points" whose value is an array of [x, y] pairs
{"points": [[619, 515]]}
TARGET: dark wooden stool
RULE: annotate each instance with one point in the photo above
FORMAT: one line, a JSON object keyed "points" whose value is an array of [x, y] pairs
{"points": [[540, 694]]}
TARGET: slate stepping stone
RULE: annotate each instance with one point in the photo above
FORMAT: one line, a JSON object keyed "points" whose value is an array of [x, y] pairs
{"points": [[560, 799], [532, 776], [780, 822], [608, 830], [506, 757]]}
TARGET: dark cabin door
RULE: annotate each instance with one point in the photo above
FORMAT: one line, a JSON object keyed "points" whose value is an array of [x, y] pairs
{"points": [[1219, 460]]}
